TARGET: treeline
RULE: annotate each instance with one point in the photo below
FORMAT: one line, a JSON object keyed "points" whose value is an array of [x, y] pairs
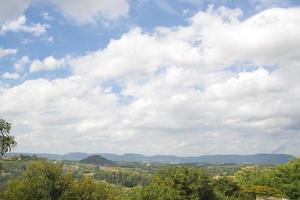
{"points": [[127, 179], [48, 181]]}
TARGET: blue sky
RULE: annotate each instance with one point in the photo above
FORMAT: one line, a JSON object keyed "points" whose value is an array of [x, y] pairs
{"points": [[148, 76], [76, 39]]}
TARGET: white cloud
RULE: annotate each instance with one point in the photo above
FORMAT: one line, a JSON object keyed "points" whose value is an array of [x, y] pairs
{"points": [[268, 37], [50, 39], [129, 57], [8, 75], [49, 63], [11, 10], [22, 63], [91, 10], [176, 90], [20, 25], [46, 16], [7, 52]]}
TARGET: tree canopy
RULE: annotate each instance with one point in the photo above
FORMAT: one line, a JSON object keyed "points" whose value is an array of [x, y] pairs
{"points": [[49, 181], [7, 141]]}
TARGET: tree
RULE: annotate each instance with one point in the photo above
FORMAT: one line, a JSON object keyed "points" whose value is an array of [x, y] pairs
{"points": [[279, 181], [286, 178], [158, 189], [226, 187], [7, 141], [44, 180], [179, 183], [89, 189], [41, 180]]}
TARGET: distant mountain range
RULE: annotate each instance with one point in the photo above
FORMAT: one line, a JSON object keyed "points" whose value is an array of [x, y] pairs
{"points": [[210, 159]]}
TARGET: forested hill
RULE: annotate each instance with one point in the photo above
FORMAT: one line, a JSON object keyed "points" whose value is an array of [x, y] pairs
{"points": [[238, 159], [96, 160]]}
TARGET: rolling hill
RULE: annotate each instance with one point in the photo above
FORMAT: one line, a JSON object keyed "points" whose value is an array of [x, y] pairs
{"points": [[96, 160], [260, 159]]}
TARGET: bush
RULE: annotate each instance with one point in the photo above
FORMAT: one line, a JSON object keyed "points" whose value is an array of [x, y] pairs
{"points": [[47, 181], [178, 183]]}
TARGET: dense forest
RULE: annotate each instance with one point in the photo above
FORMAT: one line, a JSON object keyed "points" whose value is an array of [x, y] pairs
{"points": [[42, 179]]}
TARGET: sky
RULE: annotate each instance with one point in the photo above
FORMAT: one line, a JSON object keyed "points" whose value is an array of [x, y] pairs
{"points": [[180, 77]]}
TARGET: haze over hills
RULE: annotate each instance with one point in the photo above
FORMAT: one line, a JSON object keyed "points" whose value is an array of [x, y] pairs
{"points": [[131, 157]]}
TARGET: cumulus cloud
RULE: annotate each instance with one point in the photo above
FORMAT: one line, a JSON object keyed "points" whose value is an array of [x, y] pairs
{"points": [[20, 25], [118, 61], [92, 10], [11, 10], [22, 63], [49, 63], [6, 52], [268, 37], [8, 75], [183, 90], [46, 16]]}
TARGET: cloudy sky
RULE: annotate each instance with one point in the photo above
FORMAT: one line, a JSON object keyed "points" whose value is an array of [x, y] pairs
{"points": [[183, 77]]}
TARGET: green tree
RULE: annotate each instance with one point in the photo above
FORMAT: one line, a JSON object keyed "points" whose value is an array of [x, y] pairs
{"points": [[286, 178], [158, 189], [89, 189], [44, 180], [279, 181], [7, 141], [178, 183], [41, 181], [226, 187]]}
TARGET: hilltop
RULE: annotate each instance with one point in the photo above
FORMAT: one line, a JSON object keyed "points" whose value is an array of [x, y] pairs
{"points": [[96, 160]]}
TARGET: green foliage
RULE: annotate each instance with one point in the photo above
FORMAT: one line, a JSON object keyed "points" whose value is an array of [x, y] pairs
{"points": [[280, 181], [226, 187], [41, 181], [11, 169], [127, 179], [222, 170], [7, 141], [30, 158], [253, 175], [44, 180], [97, 160], [158, 189], [286, 178], [88, 189], [261, 191], [179, 183]]}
